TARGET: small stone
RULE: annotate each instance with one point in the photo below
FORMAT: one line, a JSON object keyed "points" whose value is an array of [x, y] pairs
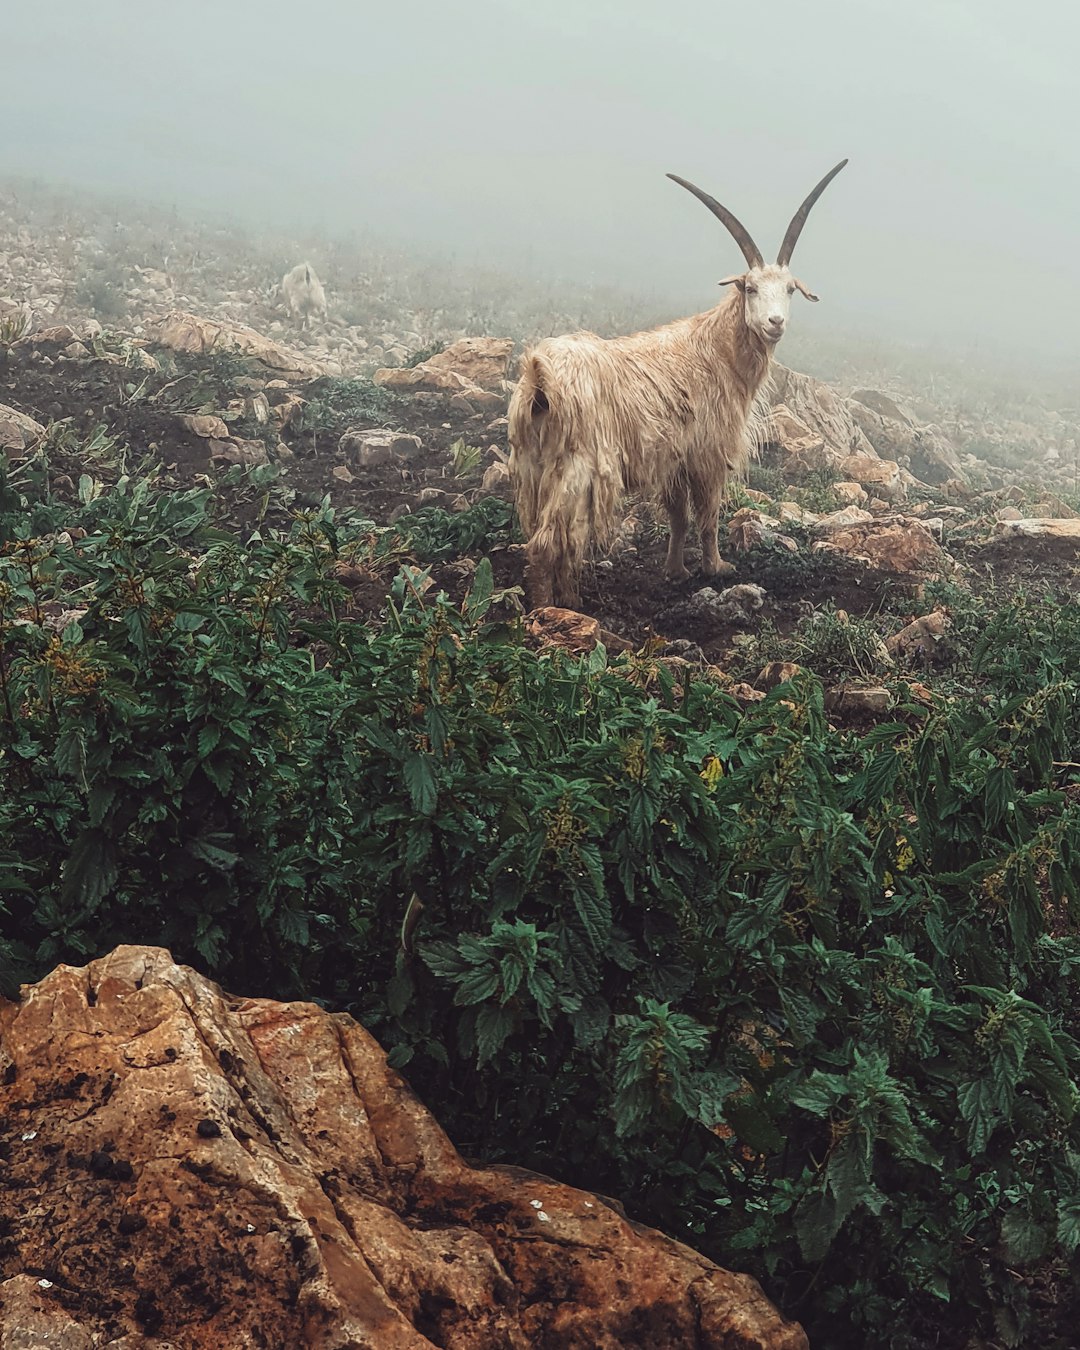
{"points": [[341, 473], [208, 1129], [495, 475]]}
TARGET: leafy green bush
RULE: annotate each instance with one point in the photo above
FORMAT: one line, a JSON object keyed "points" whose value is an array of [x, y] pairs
{"points": [[434, 535], [334, 403], [804, 998]]}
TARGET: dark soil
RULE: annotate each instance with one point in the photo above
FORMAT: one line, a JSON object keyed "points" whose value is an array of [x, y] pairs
{"points": [[628, 595]]}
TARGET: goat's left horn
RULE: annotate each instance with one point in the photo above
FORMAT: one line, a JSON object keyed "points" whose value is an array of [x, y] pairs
{"points": [[787, 248], [739, 232]]}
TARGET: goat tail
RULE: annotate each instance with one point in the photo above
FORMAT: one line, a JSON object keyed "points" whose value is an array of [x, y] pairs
{"points": [[566, 488], [525, 417]]}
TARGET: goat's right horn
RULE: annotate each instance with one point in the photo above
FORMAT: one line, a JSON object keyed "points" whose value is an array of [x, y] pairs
{"points": [[798, 220], [739, 232]]}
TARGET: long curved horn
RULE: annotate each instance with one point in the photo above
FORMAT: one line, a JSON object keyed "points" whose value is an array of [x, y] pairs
{"points": [[798, 220], [739, 232]]}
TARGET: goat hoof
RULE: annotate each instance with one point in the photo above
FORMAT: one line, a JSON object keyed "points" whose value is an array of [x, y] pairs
{"points": [[677, 574], [718, 569]]}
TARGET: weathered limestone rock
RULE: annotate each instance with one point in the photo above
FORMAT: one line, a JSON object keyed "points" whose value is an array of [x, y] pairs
{"points": [[920, 637], [874, 702], [553, 626], [821, 410], [18, 432], [369, 448], [188, 1169], [206, 425], [473, 367], [896, 544], [496, 475], [777, 672], [482, 361], [881, 477], [1061, 531], [183, 332]]}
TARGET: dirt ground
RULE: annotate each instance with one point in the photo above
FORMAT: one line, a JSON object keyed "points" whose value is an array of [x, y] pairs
{"points": [[627, 594]]}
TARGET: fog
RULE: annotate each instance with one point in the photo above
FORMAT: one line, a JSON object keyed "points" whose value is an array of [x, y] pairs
{"points": [[537, 136]]}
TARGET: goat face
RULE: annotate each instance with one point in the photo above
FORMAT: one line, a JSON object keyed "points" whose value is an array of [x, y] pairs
{"points": [[767, 292]]}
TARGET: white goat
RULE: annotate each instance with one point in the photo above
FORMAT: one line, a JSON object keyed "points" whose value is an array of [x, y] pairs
{"points": [[667, 414], [303, 293]]}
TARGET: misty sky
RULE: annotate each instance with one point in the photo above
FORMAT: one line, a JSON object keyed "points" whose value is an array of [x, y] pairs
{"points": [[536, 134]]}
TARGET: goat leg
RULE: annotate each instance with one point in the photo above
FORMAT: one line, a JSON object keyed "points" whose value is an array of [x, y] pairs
{"points": [[677, 507]]}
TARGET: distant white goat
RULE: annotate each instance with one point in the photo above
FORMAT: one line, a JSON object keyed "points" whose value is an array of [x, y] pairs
{"points": [[667, 414], [303, 293]]}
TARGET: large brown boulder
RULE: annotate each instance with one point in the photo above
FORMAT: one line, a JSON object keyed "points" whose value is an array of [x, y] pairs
{"points": [[894, 434], [473, 367], [898, 545], [821, 410], [185, 1169], [190, 333]]}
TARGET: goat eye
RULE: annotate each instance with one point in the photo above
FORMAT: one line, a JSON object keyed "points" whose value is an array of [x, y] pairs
{"points": [[751, 290]]}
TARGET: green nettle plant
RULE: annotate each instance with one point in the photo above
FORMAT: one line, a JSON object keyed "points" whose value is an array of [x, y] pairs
{"points": [[802, 997]]}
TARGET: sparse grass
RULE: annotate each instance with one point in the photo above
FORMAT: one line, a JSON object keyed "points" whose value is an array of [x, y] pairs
{"points": [[831, 643], [101, 288], [425, 354]]}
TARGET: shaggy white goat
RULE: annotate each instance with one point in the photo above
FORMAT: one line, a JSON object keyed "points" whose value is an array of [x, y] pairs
{"points": [[303, 293], [666, 414]]}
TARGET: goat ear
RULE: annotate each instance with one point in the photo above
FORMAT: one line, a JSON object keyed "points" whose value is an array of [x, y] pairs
{"points": [[804, 289], [739, 281]]}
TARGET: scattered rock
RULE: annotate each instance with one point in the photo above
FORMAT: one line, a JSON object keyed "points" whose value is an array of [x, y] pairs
{"points": [[205, 425], [17, 431], [851, 494], [874, 702], [745, 694], [793, 513], [432, 496], [842, 519], [897, 545], [735, 604], [473, 367], [341, 473], [370, 448], [777, 672], [482, 361], [882, 476], [180, 331], [821, 411], [795, 439], [238, 452], [748, 528], [882, 404], [687, 650], [1065, 531], [920, 637], [566, 628], [495, 476]]}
